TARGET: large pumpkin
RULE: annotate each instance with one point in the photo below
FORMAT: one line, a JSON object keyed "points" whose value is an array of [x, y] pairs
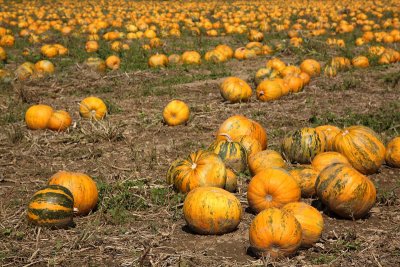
{"points": [[362, 147], [302, 145], [305, 178], [52, 206], [393, 153], [176, 113], [265, 159], [233, 154], [82, 187], [239, 125], [38, 116], [323, 160], [201, 168], [345, 191], [235, 90], [212, 211], [310, 220], [329, 132], [273, 187], [275, 233], [269, 90]]}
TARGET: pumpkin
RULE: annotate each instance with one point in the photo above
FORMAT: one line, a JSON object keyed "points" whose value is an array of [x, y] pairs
{"points": [[265, 74], [302, 145], [176, 112], [215, 56], [393, 153], [239, 125], [276, 64], [113, 62], [3, 54], [91, 46], [305, 77], [323, 160], [92, 108], [329, 132], [38, 116], [250, 144], [225, 49], [5, 76], [60, 120], [235, 90], [311, 67], [255, 36], [330, 71], [362, 147], [25, 70], [269, 90], [191, 58], [49, 51], [310, 220], [53, 206], [272, 187], [211, 211], [231, 181], [341, 63], [170, 172], [255, 46], [360, 62], [201, 168], [82, 187], [294, 83], [232, 154], [158, 60], [96, 64], [290, 71], [265, 159], [43, 67], [345, 191], [275, 233], [175, 59], [240, 53], [305, 178]]}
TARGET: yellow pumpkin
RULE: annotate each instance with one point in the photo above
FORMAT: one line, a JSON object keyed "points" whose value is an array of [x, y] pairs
{"points": [[92, 108], [176, 112], [235, 90]]}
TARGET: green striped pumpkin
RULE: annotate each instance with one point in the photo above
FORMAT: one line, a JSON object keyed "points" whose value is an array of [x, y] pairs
{"points": [[302, 145], [233, 154], [266, 74], [53, 206], [171, 171]]}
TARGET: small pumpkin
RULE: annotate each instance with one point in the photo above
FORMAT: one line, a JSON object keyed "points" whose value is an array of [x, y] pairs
{"points": [[392, 155], [275, 233], [96, 64], [43, 67], [82, 187], [60, 120], [294, 83], [3, 54], [212, 211], [113, 62], [360, 62], [311, 67], [158, 60], [225, 49], [38, 116], [276, 64], [272, 187], [235, 90], [92, 108], [232, 154], [345, 191], [310, 220], [191, 58], [176, 112], [215, 56], [175, 59], [265, 159], [52, 206], [305, 178], [323, 160]]}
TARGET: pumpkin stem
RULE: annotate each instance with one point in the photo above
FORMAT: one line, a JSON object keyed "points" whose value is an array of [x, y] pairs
{"points": [[268, 197], [194, 165], [227, 136], [346, 132], [76, 210], [261, 93]]}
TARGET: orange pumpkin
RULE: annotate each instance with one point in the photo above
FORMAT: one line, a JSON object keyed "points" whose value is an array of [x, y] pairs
{"points": [[212, 211], [82, 187], [265, 159], [38, 116], [275, 233], [175, 59], [360, 62], [60, 120], [310, 220], [269, 90], [92, 108], [225, 49], [3, 54], [158, 60], [329, 132], [305, 178], [201, 168], [251, 145], [176, 112], [345, 191], [113, 62], [311, 67], [323, 160], [191, 58], [272, 187], [43, 67], [362, 147], [393, 153], [231, 181], [235, 90]]}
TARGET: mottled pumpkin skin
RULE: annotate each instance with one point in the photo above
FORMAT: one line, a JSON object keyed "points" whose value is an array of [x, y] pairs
{"points": [[239, 125], [275, 232], [201, 168], [362, 147], [82, 187], [345, 191], [251, 145], [305, 178], [329, 132], [302, 145], [323, 160], [51, 207], [170, 173], [232, 154], [38, 116], [231, 181], [393, 153], [235, 90], [273, 187], [310, 219], [265, 159], [212, 211]]}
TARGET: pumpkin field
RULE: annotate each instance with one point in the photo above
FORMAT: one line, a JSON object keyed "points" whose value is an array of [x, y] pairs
{"points": [[199, 133]]}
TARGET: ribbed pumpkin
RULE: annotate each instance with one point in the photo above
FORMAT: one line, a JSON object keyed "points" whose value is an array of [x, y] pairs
{"points": [[82, 187], [239, 125], [323, 160], [251, 145], [60, 120], [201, 168], [345, 191], [302, 145], [269, 90], [265, 74], [176, 113], [212, 211], [310, 220], [170, 173], [52, 206], [275, 233], [311, 67], [92, 108], [235, 90], [38, 116], [231, 181], [232, 154], [273, 187], [362, 147], [265, 159], [360, 62], [329, 132], [305, 178], [393, 153]]}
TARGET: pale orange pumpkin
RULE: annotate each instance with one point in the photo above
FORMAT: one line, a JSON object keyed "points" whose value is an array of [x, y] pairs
{"points": [[305, 178], [191, 58], [265, 159]]}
